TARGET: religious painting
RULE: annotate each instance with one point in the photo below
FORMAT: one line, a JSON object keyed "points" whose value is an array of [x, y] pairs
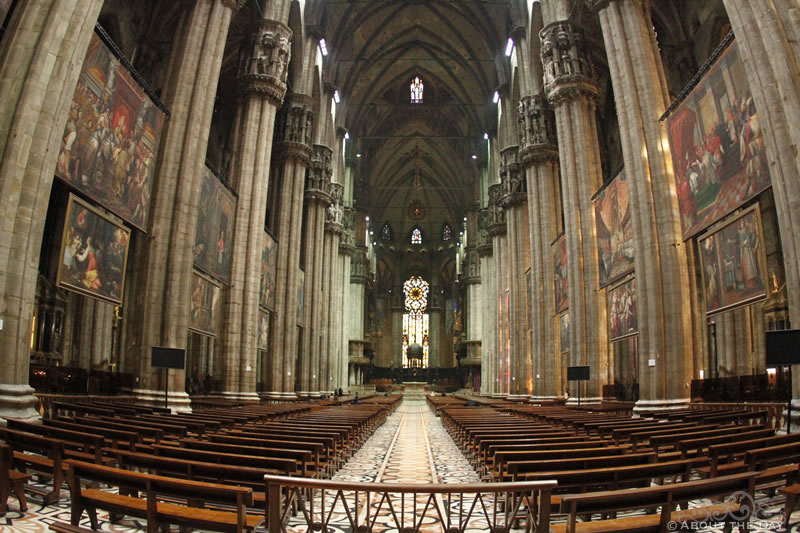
{"points": [[213, 246], [301, 298], [561, 278], [205, 305], [717, 146], [563, 330], [622, 317], [733, 262], [94, 253], [263, 329], [614, 230], [269, 268], [110, 145]]}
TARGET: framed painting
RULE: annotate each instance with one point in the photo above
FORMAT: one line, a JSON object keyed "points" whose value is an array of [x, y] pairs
{"points": [[213, 250], [561, 278], [206, 305], [622, 313], [269, 265], [614, 230], [563, 331], [94, 253], [718, 150], [110, 145], [263, 329], [734, 262]]}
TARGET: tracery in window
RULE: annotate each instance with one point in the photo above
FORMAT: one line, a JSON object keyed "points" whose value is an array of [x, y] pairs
{"points": [[416, 322], [447, 232], [416, 236], [416, 90]]}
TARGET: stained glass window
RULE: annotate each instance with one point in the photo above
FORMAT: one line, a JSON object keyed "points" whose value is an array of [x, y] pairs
{"points": [[416, 90], [386, 232], [447, 232], [416, 236], [416, 322]]}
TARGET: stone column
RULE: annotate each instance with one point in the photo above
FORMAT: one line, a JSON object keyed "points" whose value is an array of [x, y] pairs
{"points": [[162, 275], [500, 254], [293, 157], [343, 302], [318, 198], [332, 318], [514, 201], [539, 156], [473, 313], [435, 303], [488, 306], [662, 279], [96, 325], [572, 91], [40, 59]]}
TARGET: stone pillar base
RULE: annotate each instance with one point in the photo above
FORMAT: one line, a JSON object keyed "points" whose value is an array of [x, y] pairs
{"points": [[277, 397], [499, 395], [518, 397], [572, 401], [18, 401], [535, 399], [659, 405], [243, 396], [177, 402]]}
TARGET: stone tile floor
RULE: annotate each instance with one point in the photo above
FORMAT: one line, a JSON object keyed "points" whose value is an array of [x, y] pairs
{"points": [[411, 447]]}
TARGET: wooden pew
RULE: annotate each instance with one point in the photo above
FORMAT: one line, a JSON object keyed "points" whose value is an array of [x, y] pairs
{"points": [[46, 458], [667, 497], [729, 458], [77, 444], [11, 480], [158, 513], [514, 469], [240, 459]]}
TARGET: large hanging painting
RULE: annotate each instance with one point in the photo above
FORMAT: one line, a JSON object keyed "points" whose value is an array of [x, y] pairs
{"points": [[717, 147], [269, 266], [733, 263], [94, 253], [614, 230], [213, 248], [110, 145], [563, 329], [205, 305], [622, 317], [561, 278], [263, 330]]}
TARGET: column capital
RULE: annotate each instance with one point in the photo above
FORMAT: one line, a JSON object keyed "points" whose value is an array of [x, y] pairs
{"points": [[514, 186], [334, 215], [359, 265], [484, 242], [537, 131], [294, 129], [496, 216], [568, 72], [347, 240], [471, 268], [233, 4], [320, 171], [264, 60]]}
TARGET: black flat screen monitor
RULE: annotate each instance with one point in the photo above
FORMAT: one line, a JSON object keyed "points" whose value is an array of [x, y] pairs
{"points": [[167, 357], [577, 373], [783, 347]]}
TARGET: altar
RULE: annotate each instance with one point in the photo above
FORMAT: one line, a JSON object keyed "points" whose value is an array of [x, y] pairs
{"points": [[414, 388]]}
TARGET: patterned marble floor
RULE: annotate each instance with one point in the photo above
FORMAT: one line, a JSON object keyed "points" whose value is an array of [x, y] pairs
{"points": [[411, 447]]}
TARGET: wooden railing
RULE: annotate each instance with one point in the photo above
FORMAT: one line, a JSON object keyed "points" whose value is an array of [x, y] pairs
{"points": [[310, 504], [776, 417]]}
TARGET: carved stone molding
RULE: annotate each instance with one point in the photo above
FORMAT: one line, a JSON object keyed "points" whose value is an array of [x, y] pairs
{"points": [[263, 61], [568, 72], [318, 178], [359, 266], [496, 214], [512, 179], [538, 141], [347, 240], [294, 129]]}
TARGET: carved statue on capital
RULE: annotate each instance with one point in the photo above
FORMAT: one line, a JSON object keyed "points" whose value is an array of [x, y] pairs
{"points": [[537, 130], [566, 61], [511, 176], [264, 60], [484, 240], [320, 171], [496, 214], [334, 214], [294, 123]]}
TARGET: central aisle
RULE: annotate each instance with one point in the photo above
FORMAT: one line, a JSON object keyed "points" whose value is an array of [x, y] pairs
{"points": [[411, 447]]}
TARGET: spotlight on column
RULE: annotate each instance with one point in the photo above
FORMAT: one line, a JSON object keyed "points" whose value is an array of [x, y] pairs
{"points": [[496, 97], [509, 46]]}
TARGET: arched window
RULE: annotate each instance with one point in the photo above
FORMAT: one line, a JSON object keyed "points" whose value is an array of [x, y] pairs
{"points": [[416, 322], [387, 234], [416, 236], [447, 232], [416, 90]]}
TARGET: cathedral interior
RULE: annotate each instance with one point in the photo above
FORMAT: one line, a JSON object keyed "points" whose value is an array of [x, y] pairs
{"points": [[299, 197]]}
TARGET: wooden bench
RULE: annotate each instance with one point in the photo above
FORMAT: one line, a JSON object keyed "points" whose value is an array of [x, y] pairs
{"points": [[158, 513], [666, 497], [516, 470], [77, 444], [11, 480], [46, 457]]}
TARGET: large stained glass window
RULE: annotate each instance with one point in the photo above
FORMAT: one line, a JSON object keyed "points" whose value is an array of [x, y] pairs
{"points": [[447, 232], [416, 322], [416, 236], [416, 90]]}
